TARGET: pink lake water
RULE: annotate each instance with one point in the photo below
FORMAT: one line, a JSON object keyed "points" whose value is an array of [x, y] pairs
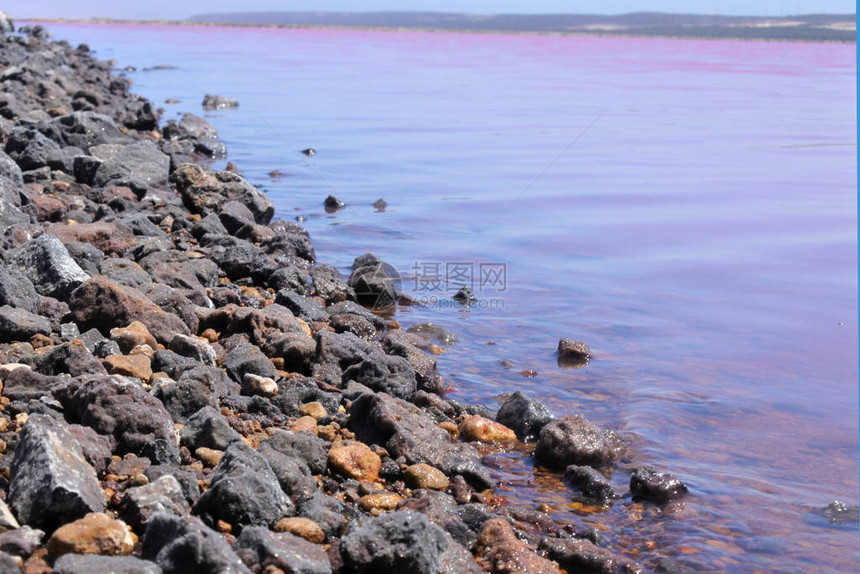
{"points": [[686, 207]]}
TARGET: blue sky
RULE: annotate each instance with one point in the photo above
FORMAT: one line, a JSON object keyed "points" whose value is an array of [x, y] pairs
{"points": [[173, 9]]}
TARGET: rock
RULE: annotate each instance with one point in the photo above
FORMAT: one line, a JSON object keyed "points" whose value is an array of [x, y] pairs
{"points": [[433, 332], [573, 354], [102, 304], [425, 476], [292, 279], [93, 534], [328, 512], [303, 307], [131, 336], [292, 473], [21, 542], [244, 491], [329, 286], [305, 446], [577, 555], [256, 385], [194, 348], [47, 264], [126, 273], [465, 296], [590, 482], [161, 495], [355, 460], [404, 430], [7, 519], [209, 456], [87, 564], [284, 552], [208, 428], [478, 428], [204, 192], [442, 510], [572, 439], [500, 551], [31, 149], [838, 512], [376, 283], [382, 501], [403, 542], [16, 290], [6, 24], [246, 359], [51, 482], [71, 358], [180, 545], [526, 417], [20, 325], [646, 483], [213, 102], [109, 238], [137, 366], [333, 204], [385, 374], [86, 129], [301, 527], [113, 406], [187, 479]]}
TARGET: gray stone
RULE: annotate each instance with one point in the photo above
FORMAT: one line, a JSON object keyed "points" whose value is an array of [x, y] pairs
{"points": [[572, 439], [21, 542], [140, 165], [194, 348], [89, 563], [20, 325], [284, 551], [51, 482], [182, 545], [47, 264], [126, 272], [161, 495], [16, 290], [208, 428], [384, 374], [524, 416], [247, 359]]}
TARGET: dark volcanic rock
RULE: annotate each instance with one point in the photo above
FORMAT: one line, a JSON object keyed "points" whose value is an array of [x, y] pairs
{"points": [[87, 129], [398, 342], [244, 491], [246, 359], [102, 304], [328, 512], [303, 445], [590, 482], [284, 551], [184, 545], [329, 285], [126, 272], [404, 430], [20, 325], [303, 307], [646, 483], [89, 563], [204, 192], [116, 407], [21, 542], [576, 555], [572, 439], [47, 264], [208, 428], [16, 290], [385, 374], [375, 282], [573, 354], [524, 416], [403, 542], [51, 482], [161, 495]]}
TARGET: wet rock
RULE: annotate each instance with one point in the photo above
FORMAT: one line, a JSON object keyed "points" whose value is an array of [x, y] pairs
{"points": [[375, 282], [575, 555], [406, 345], [113, 406], [499, 550], [590, 483], [51, 482], [214, 102], [204, 192], [465, 296], [333, 204], [647, 483], [478, 428], [184, 544], [21, 542], [102, 304], [161, 495], [525, 416], [441, 509], [426, 477], [838, 512], [87, 564], [355, 460], [244, 491], [572, 439], [46, 262], [404, 430], [283, 552], [573, 354], [20, 325], [385, 374], [208, 428], [93, 534]]}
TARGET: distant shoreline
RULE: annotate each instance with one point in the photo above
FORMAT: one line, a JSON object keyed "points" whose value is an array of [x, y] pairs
{"points": [[627, 33]]}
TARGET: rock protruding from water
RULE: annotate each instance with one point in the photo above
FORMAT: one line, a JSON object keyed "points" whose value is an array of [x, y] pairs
{"points": [[647, 483], [524, 416]]}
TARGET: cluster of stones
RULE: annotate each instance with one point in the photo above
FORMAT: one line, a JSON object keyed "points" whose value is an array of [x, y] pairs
{"points": [[184, 389]]}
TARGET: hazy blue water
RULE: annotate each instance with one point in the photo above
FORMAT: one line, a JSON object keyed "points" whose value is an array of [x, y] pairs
{"points": [[700, 236]]}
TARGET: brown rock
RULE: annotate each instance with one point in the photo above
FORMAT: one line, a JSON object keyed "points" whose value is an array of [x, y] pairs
{"points": [[131, 336], [49, 207], [354, 459], [573, 354], [303, 527], [304, 424], [103, 304], [137, 366], [425, 476], [451, 428], [313, 409], [500, 551], [478, 428], [92, 534], [382, 501], [110, 238], [209, 456]]}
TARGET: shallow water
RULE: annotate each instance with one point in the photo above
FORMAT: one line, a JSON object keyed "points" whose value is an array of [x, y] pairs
{"points": [[688, 208]]}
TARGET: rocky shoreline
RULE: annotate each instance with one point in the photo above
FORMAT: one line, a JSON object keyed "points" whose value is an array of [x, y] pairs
{"points": [[184, 389]]}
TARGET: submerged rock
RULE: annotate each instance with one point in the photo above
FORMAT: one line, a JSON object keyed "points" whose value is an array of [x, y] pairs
{"points": [[572, 439], [647, 483]]}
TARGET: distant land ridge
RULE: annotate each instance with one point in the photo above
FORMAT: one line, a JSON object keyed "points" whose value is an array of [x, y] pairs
{"points": [[810, 27]]}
